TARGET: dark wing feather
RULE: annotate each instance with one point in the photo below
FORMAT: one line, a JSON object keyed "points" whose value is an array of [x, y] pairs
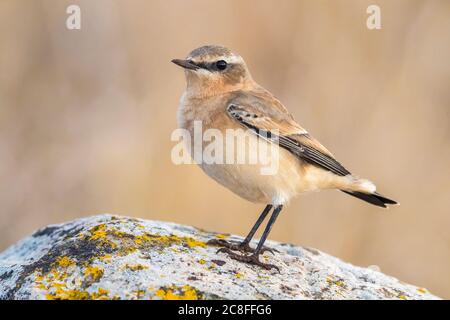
{"points": [[312, 155], [302, 145]]}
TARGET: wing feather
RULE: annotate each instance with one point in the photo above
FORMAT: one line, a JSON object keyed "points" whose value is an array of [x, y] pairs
{"points": [[278, 126]]}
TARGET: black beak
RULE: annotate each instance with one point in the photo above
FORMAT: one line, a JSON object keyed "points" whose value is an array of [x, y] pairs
{"points": [[187, 64]]}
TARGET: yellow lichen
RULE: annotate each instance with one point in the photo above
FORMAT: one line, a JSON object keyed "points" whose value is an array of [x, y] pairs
{"points": [[135, 267], [167, 240], [238, 275], [101, 294], [422, 290], [106, 257], [38, 278], [221, 236], [403, 297], [69, 295], [141, 239], [40, 286], [195, 243], [38, 282], [127, 251], [98, 232], [338, 283], [139, 293], [93, 273], [57, 290], [118, 233], [56, 274], [177, 293], [63, 293], [54, 281], [64, 261]]}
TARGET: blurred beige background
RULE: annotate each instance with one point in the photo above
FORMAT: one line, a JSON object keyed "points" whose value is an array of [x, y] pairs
{"points": [[86, 118]]}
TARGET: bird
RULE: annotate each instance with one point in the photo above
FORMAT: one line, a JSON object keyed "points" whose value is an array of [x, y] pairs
{"points": [[221, 94]]}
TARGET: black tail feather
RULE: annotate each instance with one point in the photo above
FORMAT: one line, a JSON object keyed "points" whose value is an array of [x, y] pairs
{"points": [[374, 198]]}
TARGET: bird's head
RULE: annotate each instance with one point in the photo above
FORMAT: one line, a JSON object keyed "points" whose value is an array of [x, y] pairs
{"points": [[213, 70]]}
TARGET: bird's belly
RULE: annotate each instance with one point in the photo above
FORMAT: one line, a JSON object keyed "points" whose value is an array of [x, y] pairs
{"points": [[273, 179]]}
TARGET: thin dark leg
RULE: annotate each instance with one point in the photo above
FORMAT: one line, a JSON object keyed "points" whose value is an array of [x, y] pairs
{"points": [[254, 258], [257, 224], [244, 246], [269, 226]]}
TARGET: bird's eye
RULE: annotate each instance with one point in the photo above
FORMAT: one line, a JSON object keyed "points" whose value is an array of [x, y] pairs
{"points": [[221, 65]]}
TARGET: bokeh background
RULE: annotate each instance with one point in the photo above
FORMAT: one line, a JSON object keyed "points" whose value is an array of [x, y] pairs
{"points": [[86, 118]]}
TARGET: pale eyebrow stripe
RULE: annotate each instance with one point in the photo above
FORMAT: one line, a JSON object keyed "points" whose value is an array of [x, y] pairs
{"points": [[228, 59]]}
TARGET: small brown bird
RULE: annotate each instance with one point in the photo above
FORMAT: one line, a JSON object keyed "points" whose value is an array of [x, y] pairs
{"points": [[222, 95]]}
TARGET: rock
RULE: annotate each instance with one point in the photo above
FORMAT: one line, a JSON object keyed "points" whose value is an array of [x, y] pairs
{"points": [[112, 257]]}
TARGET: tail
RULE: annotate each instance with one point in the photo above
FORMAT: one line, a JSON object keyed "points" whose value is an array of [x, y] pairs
{"points": [[365, 190], [373, 198]]}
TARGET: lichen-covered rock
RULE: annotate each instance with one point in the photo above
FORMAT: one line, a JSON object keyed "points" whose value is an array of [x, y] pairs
{"points": [[111, 257]]}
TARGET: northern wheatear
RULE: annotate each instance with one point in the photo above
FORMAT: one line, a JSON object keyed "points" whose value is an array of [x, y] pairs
{"points": [[222, 95]]}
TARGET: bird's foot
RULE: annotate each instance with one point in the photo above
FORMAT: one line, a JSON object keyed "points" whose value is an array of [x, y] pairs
{"points": [[250, 259], [241, 247]]}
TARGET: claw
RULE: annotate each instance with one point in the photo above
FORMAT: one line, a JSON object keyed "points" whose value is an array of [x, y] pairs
{"points": [[270, 250], [223, 250], [242, 247], [250, 259]]}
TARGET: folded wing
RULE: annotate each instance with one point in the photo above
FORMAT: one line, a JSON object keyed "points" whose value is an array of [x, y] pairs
{"points": [[280, 127]]}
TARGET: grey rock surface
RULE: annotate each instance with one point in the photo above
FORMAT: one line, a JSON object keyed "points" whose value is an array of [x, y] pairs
{"points": [[113, 257]]}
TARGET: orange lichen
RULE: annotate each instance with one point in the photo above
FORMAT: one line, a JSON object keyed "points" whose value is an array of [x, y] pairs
{"points": [[422, 290], [101, 294]]}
